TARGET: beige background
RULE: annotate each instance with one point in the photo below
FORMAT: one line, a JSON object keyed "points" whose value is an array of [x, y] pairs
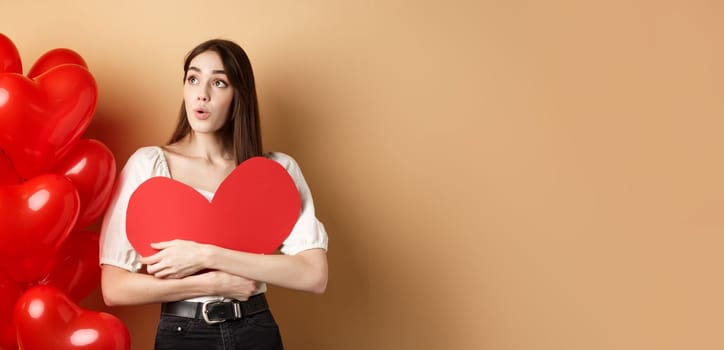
{"points": [[493, 174]]}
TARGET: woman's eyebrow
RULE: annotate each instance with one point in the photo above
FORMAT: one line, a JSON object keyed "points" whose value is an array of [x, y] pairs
{"points": [[217, 71]]}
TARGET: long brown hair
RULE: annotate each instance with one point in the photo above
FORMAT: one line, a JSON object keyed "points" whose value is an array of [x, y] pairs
{"points": [[242, 132]]}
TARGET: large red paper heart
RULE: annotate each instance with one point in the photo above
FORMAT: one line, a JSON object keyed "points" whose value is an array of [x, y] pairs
{"points": [[46, 318], [254, 210], [40, 117]]}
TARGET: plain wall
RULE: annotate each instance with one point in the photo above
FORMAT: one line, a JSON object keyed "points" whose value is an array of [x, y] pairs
{"points": [[505, 175]]}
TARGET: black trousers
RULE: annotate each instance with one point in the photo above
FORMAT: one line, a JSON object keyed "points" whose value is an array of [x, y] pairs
{"points": [[255, 332]]}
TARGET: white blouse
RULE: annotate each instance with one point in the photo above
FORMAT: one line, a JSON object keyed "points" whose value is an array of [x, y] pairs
{"points": [[147, 162]]}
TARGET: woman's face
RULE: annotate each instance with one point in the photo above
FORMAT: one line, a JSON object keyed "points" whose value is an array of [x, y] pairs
{"points": [[207, 93]]}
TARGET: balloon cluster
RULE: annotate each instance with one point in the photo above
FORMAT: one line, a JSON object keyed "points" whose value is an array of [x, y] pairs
{"points": [[53, 185]]}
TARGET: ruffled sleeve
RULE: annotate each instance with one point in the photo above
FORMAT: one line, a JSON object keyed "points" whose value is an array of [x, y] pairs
{"points": [[115, 249], [308, 232]]}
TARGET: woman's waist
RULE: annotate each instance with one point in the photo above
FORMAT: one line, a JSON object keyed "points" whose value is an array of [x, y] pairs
{"points": [[261, 288]]}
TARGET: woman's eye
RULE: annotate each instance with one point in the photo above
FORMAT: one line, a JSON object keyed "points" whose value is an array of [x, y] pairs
{"points": [[220, 84], [192, 80]]}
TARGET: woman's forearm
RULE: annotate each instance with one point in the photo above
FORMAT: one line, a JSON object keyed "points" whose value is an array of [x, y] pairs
{"points": [[121, 287], [306, 271]]}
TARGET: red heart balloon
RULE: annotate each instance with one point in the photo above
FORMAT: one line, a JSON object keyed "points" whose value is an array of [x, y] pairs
{"points": [[9, 294], [9, 56], [41, 118], [254, 210], [92, 168], [54, 58], [46, 318], [75, 268], [35, 217], [8, 176]]}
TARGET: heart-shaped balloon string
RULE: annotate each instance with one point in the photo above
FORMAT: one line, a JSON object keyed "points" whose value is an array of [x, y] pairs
{"points": [[35, 217], [254, 210], [46, 318]]}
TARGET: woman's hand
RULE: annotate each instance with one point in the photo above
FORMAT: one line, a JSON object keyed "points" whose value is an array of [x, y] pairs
{"points": [[176, 259], [228, 285]]}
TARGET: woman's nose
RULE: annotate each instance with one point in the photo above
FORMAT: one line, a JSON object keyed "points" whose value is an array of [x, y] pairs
{"points": [[203, 94]]}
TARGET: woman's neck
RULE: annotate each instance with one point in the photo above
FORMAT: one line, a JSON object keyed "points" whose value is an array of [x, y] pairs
{"points": [[205, 146]]}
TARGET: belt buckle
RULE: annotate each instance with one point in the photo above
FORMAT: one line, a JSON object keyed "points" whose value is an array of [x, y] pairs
{"points": [[205, 311]]}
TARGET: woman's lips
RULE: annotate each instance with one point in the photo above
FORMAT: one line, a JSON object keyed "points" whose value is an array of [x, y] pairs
{"points": [[201, 114]]}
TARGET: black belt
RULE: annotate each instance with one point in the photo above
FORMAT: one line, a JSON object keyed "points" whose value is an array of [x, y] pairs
{"points": [[216, 311]]}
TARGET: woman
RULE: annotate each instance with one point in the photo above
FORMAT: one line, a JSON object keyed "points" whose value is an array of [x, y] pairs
{"points": [[213, 298]]}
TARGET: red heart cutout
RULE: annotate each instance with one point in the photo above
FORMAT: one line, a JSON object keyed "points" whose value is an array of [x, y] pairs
{"points": [[35, 218], [254, 210], [46, 318], [42, 117]]}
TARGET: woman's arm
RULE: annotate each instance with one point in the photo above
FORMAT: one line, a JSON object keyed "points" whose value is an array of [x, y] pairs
{"points": [[122, 287], [305, 271]]}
